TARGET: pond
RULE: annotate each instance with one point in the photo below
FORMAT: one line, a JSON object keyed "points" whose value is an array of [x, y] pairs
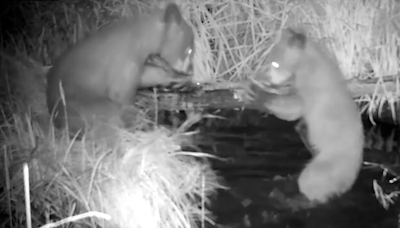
{"points": [[263, 151]]}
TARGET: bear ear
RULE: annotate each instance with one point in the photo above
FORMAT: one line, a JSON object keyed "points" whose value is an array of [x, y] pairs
{"points": [[172, 14], [294, 38]]}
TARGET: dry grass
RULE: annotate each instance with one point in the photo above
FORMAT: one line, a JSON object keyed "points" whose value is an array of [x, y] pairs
{"points": [[147, 182]]}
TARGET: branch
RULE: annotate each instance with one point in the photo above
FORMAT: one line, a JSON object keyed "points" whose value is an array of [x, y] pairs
{"points": [[221, 96]]}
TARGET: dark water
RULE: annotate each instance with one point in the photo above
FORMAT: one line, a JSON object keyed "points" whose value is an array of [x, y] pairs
{"points": [[268, 148]]}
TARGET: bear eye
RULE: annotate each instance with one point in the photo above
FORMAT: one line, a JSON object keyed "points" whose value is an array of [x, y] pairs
{"points": [[275, 64], [189, 51]]}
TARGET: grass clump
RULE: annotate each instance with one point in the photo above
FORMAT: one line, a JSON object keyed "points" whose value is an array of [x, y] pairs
{"points": [[148, 181]]}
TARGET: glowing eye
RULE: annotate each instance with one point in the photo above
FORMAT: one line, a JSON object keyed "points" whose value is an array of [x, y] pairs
{"points": [[189, 51], [275, 64]]}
